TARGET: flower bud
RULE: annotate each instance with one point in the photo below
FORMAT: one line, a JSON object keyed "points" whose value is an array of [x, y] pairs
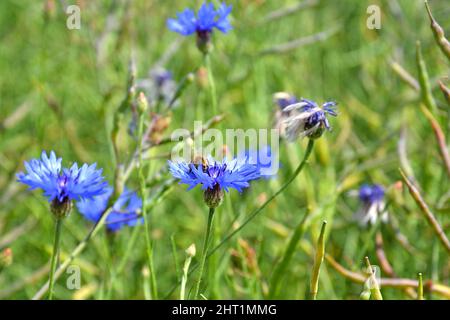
{"points": [[213, 197], [204, 41], [191, 251], [365, 295], [142, 103], [61, 209]]}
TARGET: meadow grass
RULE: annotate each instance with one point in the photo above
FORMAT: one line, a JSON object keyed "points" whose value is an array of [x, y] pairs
{"points": [[60, 90]]}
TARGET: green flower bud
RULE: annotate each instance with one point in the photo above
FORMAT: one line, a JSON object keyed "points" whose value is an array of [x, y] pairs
{"points": [[61, 209], [213, 197]]}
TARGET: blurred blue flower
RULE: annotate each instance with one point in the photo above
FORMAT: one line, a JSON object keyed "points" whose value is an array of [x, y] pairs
{"points": [[126, 210], [371, 193], [158, 86], [62, 184], [307, 119], [373, 205], [264, 159], [203, 24], [212, 175], [284, 99]]}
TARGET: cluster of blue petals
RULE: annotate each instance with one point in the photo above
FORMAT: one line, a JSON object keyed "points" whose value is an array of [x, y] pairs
{"points": [[234, 174], [62, 184], [125, 212], [371, 193], [319, 115], [208, 18]]}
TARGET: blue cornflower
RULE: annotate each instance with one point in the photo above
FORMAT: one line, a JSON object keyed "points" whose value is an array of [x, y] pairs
{"points": [[61, 185], [126, 210], [371, 193], [307, 119], [203, 24], [215, 177], [373, 205]]}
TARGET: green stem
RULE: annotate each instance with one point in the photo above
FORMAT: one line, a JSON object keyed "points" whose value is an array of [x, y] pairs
{"points": [[149, 247], [55, 256], [420, 287], [211, 82], [204, 251], [320, 253]]}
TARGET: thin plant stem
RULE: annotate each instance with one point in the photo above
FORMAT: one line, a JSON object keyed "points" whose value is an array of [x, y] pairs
{"points": [[420, 287], [190, 254], [149, 247], [427, 212], [204, 251], [320, 253], [55, 256], [211, 82]]}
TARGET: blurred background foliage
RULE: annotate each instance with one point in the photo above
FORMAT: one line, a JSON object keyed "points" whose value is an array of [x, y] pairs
{"points": [[63, 86]]}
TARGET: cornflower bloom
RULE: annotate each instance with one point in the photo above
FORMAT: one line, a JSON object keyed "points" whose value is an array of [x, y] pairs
{"points": [[207, 19], [125, 211], [215, 177], [62, 185], [307, 119], [373, 205]]}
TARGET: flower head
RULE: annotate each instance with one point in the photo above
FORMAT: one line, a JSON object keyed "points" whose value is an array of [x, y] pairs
{"points": [[307, 119], [373, 205], [126, 210], [215, 177], [226, 174], [61, 185], [208, 18]]}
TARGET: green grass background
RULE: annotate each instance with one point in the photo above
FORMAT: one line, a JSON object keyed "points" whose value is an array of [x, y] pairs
{"points": [[71, 88]]}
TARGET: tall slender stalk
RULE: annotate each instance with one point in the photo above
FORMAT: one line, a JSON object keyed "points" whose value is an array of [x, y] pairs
{"points": [[149, 247], [190, 254], [420, 287], [204, 251], [427, 212], [55, 256], [320, 253], [211, 82]]}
